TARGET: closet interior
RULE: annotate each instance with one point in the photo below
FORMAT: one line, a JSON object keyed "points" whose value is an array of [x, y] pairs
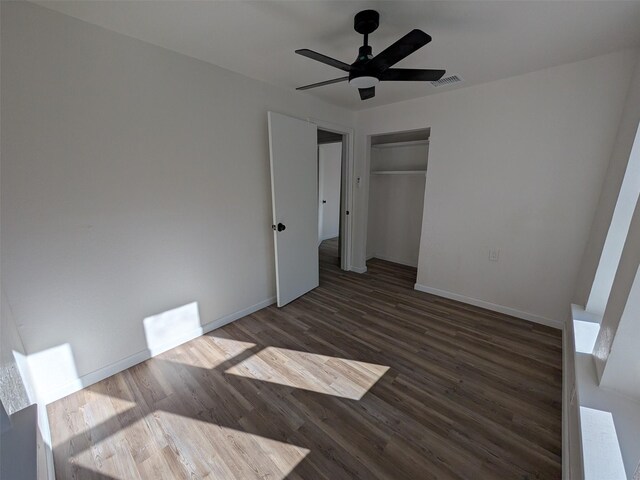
{"points": [[398, 168]]}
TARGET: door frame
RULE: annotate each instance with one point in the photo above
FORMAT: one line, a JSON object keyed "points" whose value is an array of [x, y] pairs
{"points": [[346, 188]]}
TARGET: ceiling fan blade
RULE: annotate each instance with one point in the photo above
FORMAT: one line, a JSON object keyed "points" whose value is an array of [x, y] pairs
{"points": [[326, 82], [366, 93], [404, 47], [411, 74], [324, 59]]}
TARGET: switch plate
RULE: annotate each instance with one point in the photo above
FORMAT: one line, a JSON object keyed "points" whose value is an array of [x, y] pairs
{"points": [[494, 253]]}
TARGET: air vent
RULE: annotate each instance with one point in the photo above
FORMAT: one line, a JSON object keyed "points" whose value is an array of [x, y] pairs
{"points": [[450, 80]]}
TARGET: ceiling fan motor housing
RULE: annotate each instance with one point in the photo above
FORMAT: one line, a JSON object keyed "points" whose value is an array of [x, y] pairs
{"points": [[364, 54], [366, 21], [358, 76]]}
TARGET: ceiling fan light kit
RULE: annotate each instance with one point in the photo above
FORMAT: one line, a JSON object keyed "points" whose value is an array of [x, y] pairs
{"points": [[367, 71], [364, 81]]}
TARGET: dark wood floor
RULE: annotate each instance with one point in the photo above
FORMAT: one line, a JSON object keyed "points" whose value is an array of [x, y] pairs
{"points": [[362, 378], [329, 252]]}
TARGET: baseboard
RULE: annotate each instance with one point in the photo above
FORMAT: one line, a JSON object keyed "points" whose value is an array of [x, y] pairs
{"points": [[393, 260], [139, 357], [353, 268], [490, 306], [232, 317]]}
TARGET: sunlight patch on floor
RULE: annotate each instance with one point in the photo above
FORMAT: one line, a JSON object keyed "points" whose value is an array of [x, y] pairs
{"points": [[117, 403], [229, 346], [209, 352], [311, 371], [601, 450], [208, 450]]}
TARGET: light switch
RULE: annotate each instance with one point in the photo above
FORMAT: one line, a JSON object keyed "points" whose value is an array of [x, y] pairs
{"points": [[493, 254]]}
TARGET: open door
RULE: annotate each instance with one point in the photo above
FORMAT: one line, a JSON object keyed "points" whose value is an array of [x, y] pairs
{"points": [[294, 196]]}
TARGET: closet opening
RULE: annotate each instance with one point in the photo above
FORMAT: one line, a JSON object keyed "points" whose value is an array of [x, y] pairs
{"points": [[330, 198], [397, 181]]}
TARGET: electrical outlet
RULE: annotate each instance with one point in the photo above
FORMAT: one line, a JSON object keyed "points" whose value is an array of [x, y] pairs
{"points": [[494, 253]]}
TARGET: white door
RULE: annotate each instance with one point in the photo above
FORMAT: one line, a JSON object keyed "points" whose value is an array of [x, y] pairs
{"points": [[330, 172], [320, 190], [294, 195]]}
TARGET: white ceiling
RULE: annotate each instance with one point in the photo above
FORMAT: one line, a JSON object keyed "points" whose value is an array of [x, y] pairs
{"points": [[480, 41]]}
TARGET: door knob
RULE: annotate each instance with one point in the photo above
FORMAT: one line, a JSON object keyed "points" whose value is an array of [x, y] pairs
{"points": [[281, 227], [324, 201]]}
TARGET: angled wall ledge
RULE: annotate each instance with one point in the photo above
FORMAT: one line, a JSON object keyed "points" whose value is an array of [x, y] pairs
{"points": [[608, 422]]}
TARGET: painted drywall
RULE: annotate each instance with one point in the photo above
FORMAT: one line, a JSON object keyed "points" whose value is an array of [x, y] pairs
{"points": [[617, 233], [396, 203], [18, 434], [616, 348], [329, 182], [13, 391], [615, 207], [17, 395], [134, 180], [515, 165], [403, 157]]}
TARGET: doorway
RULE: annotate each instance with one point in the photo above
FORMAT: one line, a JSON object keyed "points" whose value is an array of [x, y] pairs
{"points": [[330, 168], [397, 186], [293, 160]]}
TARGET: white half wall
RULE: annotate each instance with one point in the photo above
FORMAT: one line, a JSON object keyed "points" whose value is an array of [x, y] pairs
{"points": [[515, 165], [616, 352], [611, 223], [135, 180], [17, 393]]}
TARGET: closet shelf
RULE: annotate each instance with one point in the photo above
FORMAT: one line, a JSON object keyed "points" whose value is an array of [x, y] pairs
{"points": [[410, 143], [399, 172]]}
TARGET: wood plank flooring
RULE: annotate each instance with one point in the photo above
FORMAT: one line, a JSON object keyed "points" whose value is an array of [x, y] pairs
{"points": [[329, 252], [363, 378]]}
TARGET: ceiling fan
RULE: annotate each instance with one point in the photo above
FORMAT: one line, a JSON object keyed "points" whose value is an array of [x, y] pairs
{"points": [[367, 70]]}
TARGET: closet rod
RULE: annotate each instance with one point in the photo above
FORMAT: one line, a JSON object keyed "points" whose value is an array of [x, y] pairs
{"points": [[401, 144]]}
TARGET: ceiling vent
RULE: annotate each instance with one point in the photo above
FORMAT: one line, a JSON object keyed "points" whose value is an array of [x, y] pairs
{"points": [[450, 80]]}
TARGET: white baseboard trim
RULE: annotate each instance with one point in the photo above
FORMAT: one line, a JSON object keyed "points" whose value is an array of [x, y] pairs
{"points": [[353, 268], [490, 306], [391, 259], [94, 377], [232, 317], [128, 362]]}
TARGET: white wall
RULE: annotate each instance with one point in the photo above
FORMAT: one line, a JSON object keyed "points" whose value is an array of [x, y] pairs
{"points": [[396, 204], [329, 182], [134, 180], [17, 393], [616, 352], [515, 165], [402, 157], [13, 391], [615, 207], [620, 221]]}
